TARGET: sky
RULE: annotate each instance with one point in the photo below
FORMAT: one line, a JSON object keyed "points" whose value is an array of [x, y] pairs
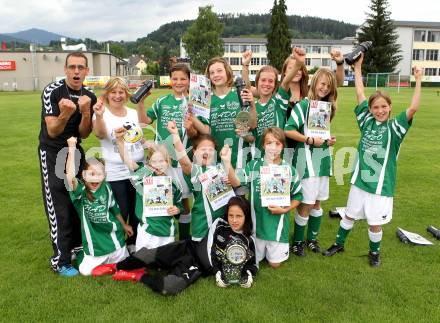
{"points": [[131, 19]]}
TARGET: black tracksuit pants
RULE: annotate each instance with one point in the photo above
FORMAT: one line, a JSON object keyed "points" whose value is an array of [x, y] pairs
{"points": [[64, 223], [178, 257]]}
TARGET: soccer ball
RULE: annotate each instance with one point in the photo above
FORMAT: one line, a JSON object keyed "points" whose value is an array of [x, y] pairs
{"points": [[134, 132]]}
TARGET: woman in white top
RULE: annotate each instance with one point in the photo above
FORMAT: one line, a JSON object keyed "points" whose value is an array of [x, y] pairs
{"points": [[111, 113]]}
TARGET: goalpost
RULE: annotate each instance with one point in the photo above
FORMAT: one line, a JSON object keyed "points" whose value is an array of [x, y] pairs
{"points": [[388, 80]]}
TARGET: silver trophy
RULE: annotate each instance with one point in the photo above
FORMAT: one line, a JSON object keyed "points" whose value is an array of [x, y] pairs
{"points": [[242, 119], [233, 258], [242, 123]]}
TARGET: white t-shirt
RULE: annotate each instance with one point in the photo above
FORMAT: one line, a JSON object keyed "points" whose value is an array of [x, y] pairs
{"points": [[114, 166]]}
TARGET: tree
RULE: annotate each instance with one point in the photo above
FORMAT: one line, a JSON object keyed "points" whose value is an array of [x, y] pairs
{"points": [[202, 39], [164, 64], [278, 37], [152, 69], [117, 50], [379, 28]]}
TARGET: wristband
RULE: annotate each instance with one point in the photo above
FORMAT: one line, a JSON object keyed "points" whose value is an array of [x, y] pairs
{"points": [[307, 140], [313, 141], [247, 65], [340, 63]]}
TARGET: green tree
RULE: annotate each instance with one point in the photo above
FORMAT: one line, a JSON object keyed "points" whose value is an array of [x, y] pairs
{"points": [[117, 50], [164, 62], [202, 39], [379, 28], [278, 37], [152, 69]]}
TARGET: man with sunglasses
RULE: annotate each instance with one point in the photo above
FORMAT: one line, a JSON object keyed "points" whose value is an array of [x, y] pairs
{"points": [[66, 112]]}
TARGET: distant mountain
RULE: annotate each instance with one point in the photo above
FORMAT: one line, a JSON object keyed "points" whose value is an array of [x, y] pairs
{"points": [[9, 39], [34, 35]]}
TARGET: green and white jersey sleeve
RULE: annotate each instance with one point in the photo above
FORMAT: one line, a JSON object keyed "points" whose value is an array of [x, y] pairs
{"points": [[376, 167], [223, 113], [266, 225], [165, 109], [160, 226], [202, 214], [309, 161], [101, 231], [270, 114]]}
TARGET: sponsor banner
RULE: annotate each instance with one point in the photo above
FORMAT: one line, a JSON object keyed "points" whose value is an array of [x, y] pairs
{"points": [[7, 65]]}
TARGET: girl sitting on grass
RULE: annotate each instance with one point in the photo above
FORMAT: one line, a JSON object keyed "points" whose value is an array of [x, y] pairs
{"points": [[228, 252]]}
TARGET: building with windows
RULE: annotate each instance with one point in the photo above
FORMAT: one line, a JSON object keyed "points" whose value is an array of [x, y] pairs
{"points": [[420, 46], [318, 52]]}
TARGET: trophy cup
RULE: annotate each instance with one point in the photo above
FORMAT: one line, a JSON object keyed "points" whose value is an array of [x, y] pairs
{"points": [[242, 119], [234, 258]]}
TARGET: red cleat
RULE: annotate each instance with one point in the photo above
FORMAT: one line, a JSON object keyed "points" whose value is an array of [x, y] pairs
{"points": [[129, 275], [106, 269]]}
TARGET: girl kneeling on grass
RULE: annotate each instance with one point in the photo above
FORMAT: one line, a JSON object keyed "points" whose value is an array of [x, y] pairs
{"points": [[374, 176], [153, 231], [102, 225], [227, 251], [271, 223]]}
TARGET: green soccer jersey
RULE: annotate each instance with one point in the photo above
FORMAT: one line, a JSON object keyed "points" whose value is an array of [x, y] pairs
{"points": [[202, 214], [160, 226], [101, 231], [268, 226], [309, 161], [376, 166], [169, 108], [222, 117], [271, 114]]}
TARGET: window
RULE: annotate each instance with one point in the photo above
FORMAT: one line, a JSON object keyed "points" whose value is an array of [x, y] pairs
{"points": [[308, 49], [432, 54], [434, 36], [308, 61], [244, 48], [316, 62], [226, 48], [263, 48], [316, 49], [419, 35], [325, 49], [253, 72], [235, 48], [255, 48], [431, 71], [264, 61], [255, 61], [418, 54], [326, 62], [234, 61]]}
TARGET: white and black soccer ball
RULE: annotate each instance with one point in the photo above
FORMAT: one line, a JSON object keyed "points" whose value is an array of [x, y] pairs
{"points": [[134, 132]]}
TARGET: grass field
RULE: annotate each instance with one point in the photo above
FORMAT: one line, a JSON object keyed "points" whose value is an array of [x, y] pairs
{"points": [[311, 289]]}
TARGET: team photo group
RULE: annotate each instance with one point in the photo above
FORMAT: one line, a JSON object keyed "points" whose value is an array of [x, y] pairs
{"points": [[232, 166]]}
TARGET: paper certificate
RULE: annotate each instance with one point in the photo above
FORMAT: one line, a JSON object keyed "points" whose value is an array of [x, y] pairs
{"points": [[200, 95], [275, 185], [158, 195], [214, 187], [318, 124]]}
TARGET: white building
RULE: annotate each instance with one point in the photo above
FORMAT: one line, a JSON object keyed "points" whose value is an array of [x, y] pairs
{"points": [[420, 46], [318, 51]]}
